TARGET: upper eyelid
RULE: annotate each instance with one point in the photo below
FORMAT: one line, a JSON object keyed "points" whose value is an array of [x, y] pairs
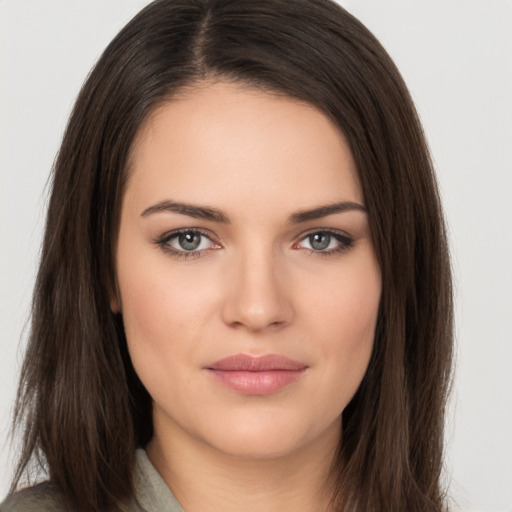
{"points": [[332, 231], [208, 232], [174, 232]]}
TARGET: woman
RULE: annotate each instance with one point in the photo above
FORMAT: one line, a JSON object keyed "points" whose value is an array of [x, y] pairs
{"points": [[244, 296]]}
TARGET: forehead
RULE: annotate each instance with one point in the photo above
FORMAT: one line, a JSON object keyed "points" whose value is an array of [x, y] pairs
{"points": [[223, 142]]}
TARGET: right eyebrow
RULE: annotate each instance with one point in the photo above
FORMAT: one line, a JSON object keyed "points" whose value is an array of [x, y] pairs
{"points": [[198, 212]]}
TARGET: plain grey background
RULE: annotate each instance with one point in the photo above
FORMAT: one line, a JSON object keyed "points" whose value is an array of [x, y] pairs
{"points": [[455, 55]]}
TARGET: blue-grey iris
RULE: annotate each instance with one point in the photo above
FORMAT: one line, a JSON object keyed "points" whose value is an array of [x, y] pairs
{"points": [[189, 241], [320, 241]]}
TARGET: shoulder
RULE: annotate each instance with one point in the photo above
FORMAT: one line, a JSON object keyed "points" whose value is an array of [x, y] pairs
{"points": [[151, 494], [44, 497]]}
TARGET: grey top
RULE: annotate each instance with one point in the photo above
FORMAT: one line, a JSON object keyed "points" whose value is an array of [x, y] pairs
{"points": [[152, 494]]}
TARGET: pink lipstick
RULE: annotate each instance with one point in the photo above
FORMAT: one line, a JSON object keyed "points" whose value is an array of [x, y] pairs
{"points": [[252, 375]]}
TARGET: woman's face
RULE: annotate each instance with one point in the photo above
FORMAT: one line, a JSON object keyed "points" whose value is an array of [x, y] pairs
{"points": [[248, 282]]}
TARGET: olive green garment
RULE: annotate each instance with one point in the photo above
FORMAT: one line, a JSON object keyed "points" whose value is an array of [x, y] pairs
{"points": [[152, 494]]}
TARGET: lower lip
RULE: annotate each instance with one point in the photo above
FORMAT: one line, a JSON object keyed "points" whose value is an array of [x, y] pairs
{"points": [[254, 382]]}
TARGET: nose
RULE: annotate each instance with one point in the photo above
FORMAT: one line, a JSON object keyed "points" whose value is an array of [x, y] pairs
{"points": [[257, 293]]}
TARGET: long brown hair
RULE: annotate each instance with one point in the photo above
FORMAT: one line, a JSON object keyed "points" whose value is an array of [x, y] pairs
{"points": [[81, 407]]}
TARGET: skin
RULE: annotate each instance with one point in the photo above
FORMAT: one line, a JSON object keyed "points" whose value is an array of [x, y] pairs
{"points": [[256, 286]]}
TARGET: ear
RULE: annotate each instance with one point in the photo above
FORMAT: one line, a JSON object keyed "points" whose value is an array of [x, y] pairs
{"points": [[115, 304], [115, 299]]}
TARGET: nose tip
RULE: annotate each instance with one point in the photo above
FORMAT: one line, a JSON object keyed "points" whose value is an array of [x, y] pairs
{"points": [[257, 298], [255, 317]]}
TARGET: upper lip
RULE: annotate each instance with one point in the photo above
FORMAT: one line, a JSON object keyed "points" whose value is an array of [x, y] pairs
{"points": [[246, 362]]}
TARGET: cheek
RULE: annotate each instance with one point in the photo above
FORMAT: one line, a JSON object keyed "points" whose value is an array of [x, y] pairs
{"points": [[153, 298], [143, 298], [152, 310], [345, 319], [165, 313], [346, 302], [160, 341]]}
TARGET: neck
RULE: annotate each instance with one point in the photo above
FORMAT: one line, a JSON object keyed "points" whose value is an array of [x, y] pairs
{"points": [[198, 474]]}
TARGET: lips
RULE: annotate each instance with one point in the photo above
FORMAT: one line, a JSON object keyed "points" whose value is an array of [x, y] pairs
{"points": [[251, 375]]}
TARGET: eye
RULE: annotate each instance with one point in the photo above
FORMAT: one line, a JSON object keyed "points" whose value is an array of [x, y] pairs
{"points": [[326, 242], [189, 241], [186, 242]]}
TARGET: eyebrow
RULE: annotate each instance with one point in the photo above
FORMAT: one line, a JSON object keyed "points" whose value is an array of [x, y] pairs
{"points": [[215, 215], [324, 211], [198, 212]]}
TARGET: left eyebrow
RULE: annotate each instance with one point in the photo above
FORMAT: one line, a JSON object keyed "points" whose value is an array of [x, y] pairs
{"points": [[198, 212], [324, 211]]}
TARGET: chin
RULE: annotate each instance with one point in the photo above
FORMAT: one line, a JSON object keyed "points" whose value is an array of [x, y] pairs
{"points": [[249, 448], [267, 438]]}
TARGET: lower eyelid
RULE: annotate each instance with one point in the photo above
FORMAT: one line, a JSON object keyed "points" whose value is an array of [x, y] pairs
{"points": [[184, 255]]}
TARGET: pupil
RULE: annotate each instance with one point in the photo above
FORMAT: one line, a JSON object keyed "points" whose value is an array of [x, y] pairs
{"points": [[320, 241], [189, 241]]}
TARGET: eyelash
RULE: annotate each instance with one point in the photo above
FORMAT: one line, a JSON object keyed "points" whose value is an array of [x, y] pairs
{"points": [[163, 242], [345, 242]]}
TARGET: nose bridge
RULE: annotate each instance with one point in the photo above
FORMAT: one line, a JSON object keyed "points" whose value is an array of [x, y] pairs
{"points": [[258, 295]]}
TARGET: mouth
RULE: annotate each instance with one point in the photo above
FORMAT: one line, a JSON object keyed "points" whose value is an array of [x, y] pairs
{"points": [[252, 375]]}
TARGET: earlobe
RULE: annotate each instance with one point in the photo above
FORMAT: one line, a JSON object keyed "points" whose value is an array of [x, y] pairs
{"points": [[114, 299], [115, 305]]}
